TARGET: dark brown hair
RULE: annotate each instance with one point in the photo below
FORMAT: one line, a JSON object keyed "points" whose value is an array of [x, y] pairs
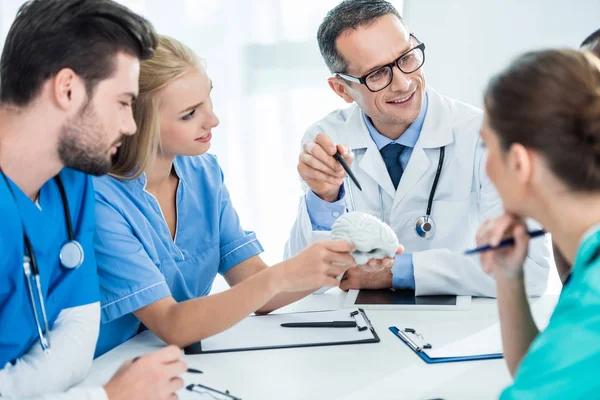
{"points": [[592, 42], [84, 35], [347, 16], [549, 101]]}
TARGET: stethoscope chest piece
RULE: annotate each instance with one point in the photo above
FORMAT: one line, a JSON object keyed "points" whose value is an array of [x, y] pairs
{"points": [[71, 254], [425, 227]]}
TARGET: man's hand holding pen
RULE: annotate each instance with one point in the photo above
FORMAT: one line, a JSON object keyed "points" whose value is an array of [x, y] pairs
{"points": [[320, 170]]}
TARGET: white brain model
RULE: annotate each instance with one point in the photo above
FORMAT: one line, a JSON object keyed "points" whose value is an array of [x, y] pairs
{"points": [[371, 237]]}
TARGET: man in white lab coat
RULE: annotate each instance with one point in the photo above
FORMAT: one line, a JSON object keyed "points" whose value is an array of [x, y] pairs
{"points": [[408, 146]]}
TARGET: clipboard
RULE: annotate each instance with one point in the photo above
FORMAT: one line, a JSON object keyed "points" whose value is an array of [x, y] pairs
{"points": [[417, 343], [265, 332]]}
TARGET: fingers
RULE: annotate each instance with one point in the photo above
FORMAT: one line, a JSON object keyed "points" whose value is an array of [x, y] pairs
{"points": [[494, 230], [335, 270], [331, 282], [318, 165], [339, 246], [166, 355], [346, 153], [175, 369], [521, 238], [316, 150], [175, 384], [307, 173], [345, 285], [376, 263], [326, 143], [400, 249], [500, 228], [342, 260]]}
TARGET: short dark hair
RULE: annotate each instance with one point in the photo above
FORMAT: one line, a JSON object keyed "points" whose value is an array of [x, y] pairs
{"points": [[349, 14], [84, 35], [594, 37], [549, 101], [593, 41]]}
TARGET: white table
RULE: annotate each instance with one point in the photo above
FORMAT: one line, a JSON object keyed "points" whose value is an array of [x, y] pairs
{"points": [[384, 370]]}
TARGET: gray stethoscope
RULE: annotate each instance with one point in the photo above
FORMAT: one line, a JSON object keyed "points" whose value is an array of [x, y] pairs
{"points": [[424, 225], [71, 257]]}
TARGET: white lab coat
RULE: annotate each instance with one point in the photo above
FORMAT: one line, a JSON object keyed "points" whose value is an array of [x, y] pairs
{"points": [[465, 197]]}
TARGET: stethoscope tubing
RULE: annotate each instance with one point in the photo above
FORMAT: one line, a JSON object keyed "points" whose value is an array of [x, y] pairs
{"points": [[31, 270], [431, 192]]}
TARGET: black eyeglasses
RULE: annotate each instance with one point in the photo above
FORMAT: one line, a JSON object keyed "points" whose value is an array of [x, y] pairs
{"points": [[381, 78], [209, 393]]}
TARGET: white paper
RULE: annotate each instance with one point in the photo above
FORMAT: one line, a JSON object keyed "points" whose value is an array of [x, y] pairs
{"points": [[489, 340], [266, 331]]}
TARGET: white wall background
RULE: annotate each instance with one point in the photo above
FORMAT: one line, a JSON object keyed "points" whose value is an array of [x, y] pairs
{"points": [[470, 40]]}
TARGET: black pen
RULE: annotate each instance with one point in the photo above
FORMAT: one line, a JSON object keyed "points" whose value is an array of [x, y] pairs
{"points": [[332, 324], [504, 243], [338, 156], [189, 370]]}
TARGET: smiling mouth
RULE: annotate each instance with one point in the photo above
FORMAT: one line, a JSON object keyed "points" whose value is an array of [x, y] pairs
{"points": [[402, 99]]}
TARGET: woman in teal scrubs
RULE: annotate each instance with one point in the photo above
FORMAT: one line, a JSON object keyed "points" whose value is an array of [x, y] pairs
{"points": [[542, 129], [166, 225]]}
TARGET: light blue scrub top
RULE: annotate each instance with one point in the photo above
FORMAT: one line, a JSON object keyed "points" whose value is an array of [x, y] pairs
{"points": [[139, 263], [563, 362], [62, 288]]}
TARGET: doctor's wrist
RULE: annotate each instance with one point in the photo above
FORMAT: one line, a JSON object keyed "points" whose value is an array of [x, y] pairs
{"points": [[330, 196]]}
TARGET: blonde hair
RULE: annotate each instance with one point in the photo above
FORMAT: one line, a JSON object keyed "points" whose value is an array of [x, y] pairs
{"points": [[172, 59]]}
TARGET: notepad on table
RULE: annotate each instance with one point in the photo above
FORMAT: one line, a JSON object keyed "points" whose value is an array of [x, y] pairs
{"points": [[265, 332]]}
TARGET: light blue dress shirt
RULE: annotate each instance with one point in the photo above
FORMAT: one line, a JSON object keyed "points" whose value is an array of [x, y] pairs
{"points": [[62, 288], [323, 214], [138, 261]]}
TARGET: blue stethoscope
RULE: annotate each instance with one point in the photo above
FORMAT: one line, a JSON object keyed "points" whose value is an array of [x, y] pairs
{"points": [[424, 225], [71, 257]]}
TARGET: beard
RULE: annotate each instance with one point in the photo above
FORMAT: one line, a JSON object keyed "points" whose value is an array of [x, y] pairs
{"points": [[81, 143]]}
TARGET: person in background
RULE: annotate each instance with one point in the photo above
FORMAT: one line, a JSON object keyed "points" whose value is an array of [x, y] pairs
{"points": [[68, 75], [166, 225], [542, 131], [591, 43]]}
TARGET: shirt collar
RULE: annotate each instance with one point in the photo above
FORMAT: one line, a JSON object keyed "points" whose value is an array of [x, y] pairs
{"points": [[143, 179], [588, 247], [409, 137], [588, 234]]}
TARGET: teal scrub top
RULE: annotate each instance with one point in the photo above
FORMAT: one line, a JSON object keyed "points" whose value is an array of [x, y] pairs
{"points": [[563, 362]]}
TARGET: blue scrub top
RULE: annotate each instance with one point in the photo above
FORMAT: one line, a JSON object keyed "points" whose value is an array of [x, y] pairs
{"points": [[138, 261], [62, 288], [563, 361]]}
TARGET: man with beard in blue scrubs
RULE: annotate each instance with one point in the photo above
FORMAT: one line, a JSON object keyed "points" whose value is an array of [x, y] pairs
{"points": [[68, 76]]}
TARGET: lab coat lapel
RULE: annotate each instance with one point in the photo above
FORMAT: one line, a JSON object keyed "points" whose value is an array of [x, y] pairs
{"points": [[435, 133], [371, 162]]}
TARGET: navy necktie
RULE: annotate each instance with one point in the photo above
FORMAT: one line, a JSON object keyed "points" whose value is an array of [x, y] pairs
{"points": [[391, 156]]}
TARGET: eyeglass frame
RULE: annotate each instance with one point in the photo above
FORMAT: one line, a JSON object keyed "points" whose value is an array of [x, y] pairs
{"points": [[363, 80], [226, 393]]}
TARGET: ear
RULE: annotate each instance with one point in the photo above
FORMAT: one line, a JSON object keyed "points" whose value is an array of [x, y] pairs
{"points": [[341, 88], [69, 90], [520, 161]]}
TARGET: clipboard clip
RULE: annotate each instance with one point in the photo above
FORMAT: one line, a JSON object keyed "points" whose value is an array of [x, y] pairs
{"points": [[414, 339], [367, 324]]}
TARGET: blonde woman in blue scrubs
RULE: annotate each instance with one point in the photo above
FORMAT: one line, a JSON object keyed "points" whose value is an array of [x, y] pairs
{"points": [[166, 225], [542, 129]]}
